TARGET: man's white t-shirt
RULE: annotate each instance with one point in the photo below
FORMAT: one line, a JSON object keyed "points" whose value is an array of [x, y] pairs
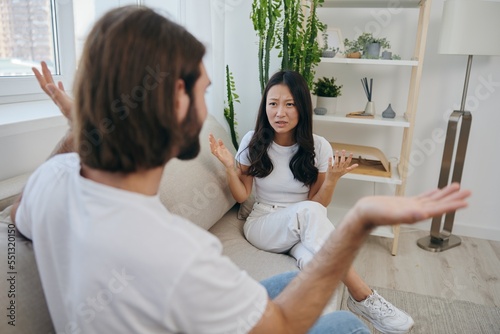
{"points": [[280, 187], [114, 261]]}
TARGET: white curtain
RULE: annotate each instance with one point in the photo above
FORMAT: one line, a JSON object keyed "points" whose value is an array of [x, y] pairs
{"points": [[205, 20]]}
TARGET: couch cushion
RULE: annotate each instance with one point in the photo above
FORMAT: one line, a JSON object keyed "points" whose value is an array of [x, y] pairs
{"points": [[257, 263], [31, 312], [197, 189]]}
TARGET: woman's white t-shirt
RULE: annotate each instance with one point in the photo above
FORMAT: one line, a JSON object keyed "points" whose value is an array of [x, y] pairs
{"points": [[280, 187]]}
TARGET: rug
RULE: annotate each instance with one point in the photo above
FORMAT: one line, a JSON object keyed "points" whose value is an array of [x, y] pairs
{"points": [[435, 315]]}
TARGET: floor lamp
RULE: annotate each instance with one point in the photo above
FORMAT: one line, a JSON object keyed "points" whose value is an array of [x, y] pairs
{"points": [[468, 27]]}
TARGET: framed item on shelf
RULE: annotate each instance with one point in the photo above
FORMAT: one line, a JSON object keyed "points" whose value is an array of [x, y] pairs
{"points": [[331, 39]]}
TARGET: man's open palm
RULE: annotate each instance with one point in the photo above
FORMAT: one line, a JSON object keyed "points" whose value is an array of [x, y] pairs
{"points": [[390, 210]]}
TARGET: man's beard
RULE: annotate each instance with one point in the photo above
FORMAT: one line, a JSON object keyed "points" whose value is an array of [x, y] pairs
{"points": [[190, 129]]}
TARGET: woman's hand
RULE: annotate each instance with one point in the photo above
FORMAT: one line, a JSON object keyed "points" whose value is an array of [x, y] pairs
{"points": [[221, 152], [56, 93], [338, 166]]}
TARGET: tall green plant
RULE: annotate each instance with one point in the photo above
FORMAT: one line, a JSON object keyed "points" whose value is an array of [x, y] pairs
{"points": [[296, 34], [229, 108], [265, 14], [311, 52], [290, 40]]}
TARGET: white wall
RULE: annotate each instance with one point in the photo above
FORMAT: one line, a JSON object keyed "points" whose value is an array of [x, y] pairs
{"points": [[28, 133], [441, 91], [25, 151]]}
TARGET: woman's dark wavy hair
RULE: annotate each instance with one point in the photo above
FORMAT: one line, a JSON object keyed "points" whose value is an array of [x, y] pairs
{"points": [[302, 163]]}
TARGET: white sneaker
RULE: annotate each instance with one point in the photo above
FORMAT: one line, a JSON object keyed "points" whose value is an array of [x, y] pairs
{"points": [[384, 316]]}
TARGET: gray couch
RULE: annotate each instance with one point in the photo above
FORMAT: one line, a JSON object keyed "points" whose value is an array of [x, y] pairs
{"points": [[195, 189]]}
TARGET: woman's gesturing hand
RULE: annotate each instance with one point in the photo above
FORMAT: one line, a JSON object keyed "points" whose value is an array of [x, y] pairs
{"points": [[221, 152], [339, 165]]}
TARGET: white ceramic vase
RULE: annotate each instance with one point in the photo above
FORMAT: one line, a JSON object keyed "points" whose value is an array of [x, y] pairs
{"points": [[370, 108], [329, 103]]}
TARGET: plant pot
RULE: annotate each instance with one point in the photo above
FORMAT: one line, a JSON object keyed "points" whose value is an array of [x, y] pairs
{"points": [[329, 103], [373, 50], [328, 54], [354, 55], [313, 99], [387, 55]]}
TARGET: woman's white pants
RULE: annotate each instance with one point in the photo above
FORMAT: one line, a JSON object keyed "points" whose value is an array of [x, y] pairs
{"points": [[300, 229]]}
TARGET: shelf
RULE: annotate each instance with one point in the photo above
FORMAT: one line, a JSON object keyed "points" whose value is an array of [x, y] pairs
{"points": [[398, 121], [361, 61], [335, 215], [372, 3], [394, 179]]}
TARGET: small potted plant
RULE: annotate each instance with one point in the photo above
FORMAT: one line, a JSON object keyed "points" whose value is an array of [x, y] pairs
{"points": [[327, 92], [326, 51], [352, 48], [371, 46]]}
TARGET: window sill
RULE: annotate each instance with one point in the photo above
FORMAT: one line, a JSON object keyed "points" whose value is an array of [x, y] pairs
{"points": [[18, 118]]}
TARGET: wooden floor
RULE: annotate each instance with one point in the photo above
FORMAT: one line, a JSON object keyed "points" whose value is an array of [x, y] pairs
{"points": [[468, 272]]}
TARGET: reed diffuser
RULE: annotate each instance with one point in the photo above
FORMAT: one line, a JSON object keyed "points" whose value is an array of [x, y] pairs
{"points": [[370, 106]]}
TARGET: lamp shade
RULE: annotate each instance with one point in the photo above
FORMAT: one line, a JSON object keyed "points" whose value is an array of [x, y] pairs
{"points": [[470, 27]]}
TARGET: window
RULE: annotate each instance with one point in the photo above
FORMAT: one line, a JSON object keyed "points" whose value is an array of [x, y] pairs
{"points": [[26, 37], [53, 31], [32, 31]]}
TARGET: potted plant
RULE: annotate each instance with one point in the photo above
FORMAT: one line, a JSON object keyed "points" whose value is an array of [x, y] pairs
{"points": [[326, 51], [352, 48], [371, 46], [327, 92]]}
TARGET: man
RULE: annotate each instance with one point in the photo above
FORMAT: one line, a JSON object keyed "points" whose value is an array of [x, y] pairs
{"points": [[111, 258]]}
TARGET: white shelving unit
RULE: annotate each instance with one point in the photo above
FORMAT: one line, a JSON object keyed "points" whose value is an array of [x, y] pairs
{"points": [[394, 179], [371, 3], [370, 61], [398, 121], [406, 121]]}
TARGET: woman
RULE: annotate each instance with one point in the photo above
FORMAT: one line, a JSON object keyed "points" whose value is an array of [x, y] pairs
{"points": [[294, 176]]}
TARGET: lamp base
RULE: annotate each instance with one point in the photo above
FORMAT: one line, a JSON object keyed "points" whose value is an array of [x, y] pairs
{"points": [[433, 245]]}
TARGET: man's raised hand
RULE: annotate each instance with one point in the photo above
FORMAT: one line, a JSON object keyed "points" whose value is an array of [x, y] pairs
{"points": [[55, 92], [390, 210]]}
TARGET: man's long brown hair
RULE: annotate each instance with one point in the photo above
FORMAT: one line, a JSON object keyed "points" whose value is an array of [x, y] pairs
{"points": [[124, 114]]}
